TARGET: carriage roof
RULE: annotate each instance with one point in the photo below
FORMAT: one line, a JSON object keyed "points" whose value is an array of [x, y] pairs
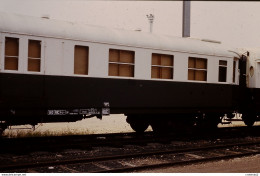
{"points": [[27, 25]]}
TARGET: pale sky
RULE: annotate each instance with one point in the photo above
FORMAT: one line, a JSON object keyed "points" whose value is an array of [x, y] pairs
{"points": [[234, 23]]}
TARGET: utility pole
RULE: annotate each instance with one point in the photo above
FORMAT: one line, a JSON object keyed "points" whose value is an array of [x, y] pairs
{"points": [[150, 19], [186, 19]]}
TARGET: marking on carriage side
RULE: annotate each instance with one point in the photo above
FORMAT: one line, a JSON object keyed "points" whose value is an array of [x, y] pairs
{"points": [[88, 111]]}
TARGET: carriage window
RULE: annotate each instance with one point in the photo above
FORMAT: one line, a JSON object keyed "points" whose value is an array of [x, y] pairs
{"points": [[197, 69], [234, 71], [162, 66], [222, 74], [81, 60], [11, 53], [34, 55], [121, 63]]}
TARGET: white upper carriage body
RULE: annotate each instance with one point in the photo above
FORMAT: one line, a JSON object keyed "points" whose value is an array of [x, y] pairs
{"points": [[59, 38]]}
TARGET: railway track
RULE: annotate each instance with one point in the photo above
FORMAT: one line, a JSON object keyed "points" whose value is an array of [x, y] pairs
{"points": [[150, 152], [133, 161]]}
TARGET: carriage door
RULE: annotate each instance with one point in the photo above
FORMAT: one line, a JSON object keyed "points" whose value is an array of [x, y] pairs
{"points": [[35, 78]]}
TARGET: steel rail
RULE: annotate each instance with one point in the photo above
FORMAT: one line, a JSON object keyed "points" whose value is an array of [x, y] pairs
{"points": [[178, 163], [131, 155]]}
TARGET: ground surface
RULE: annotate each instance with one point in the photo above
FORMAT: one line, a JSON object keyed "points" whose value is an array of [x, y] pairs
{"points": [[109, 124], [238, 165]]}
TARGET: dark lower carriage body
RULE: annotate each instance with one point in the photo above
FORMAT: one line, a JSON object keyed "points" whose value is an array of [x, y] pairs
{"points": [[26, 98]]}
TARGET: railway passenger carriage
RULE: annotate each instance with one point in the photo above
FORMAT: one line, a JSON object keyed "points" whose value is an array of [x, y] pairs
{"points": [[54, 71]]}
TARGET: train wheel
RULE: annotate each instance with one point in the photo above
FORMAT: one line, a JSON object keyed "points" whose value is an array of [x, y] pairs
{"points": [[139, 127], [249, 119], [137, 123]]}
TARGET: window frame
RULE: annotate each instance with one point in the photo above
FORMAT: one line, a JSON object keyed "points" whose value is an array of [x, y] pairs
{"points": [[74, 53], [34, 58], [161, 66], [121, 63], [195, 69], [9, 56], [220, 66], [234, 74]]}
